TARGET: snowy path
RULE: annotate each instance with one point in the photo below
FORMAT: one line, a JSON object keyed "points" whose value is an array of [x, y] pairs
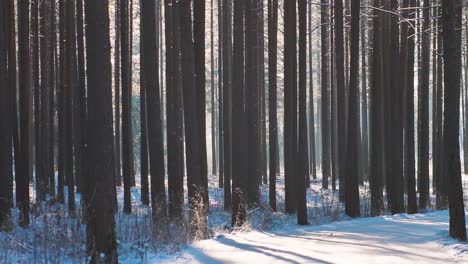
{"points": [[389, 239]]}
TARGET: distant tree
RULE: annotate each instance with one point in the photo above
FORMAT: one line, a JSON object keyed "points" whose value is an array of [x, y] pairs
{"points": [[451, 22], [100, 230]]}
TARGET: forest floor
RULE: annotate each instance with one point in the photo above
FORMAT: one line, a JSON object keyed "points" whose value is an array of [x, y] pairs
{"points": [[420, 238], [54, 236]]}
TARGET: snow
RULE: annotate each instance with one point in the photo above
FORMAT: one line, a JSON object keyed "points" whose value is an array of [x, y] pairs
{"points": [[420, 238], [267, 237]]}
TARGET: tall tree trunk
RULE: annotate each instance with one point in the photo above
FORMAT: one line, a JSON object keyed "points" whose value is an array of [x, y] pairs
{"points": [[376, 114], [303, 159], [326, 162], [5, 128], [13, 91], [227, 107], [35, 75], [100, 230], [117, 50], [451, 22], [341, 95], [272, 97], [68, 100], [423, 112], [199, 21], [352, 205], [127, 138], [214, 154], [409, 135], [311, 118], [46, 63], [239, 149], [24, 172], [155, 142], [290, 106], [194, 146], [143, 124], [60, 110], [252, 102]]}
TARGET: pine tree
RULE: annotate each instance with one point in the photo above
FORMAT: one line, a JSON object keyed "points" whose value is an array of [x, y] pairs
{"points": [[100, 230], [24, 172], [303, 159], [451, 21], [272, 100]]}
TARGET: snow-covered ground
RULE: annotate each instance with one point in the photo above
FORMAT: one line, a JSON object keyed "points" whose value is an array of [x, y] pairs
{"points": [[267, 237], [421, 238]]}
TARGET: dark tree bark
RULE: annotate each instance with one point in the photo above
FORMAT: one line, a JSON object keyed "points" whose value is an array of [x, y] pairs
{"points": [[423, 113], [13, 91], [441, 181], [272, 93], [68, 100], [52, 93], [143, 125], [214, 154], [81, 107], [24, 172], [155, 142], [46, 63], [5, 128], [200, 80], [352, 205], [194, 148], [100, 231], [60, 110], [376, 114], [35, 79], [325, 103], [252, 102], [239, 149], [290, 106], [303, 159], [341, 95], [127, 137], [227, 103], [174, 118], [220, 95], [409, 132], [364, 148], [451, 23], [117, 50]]}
